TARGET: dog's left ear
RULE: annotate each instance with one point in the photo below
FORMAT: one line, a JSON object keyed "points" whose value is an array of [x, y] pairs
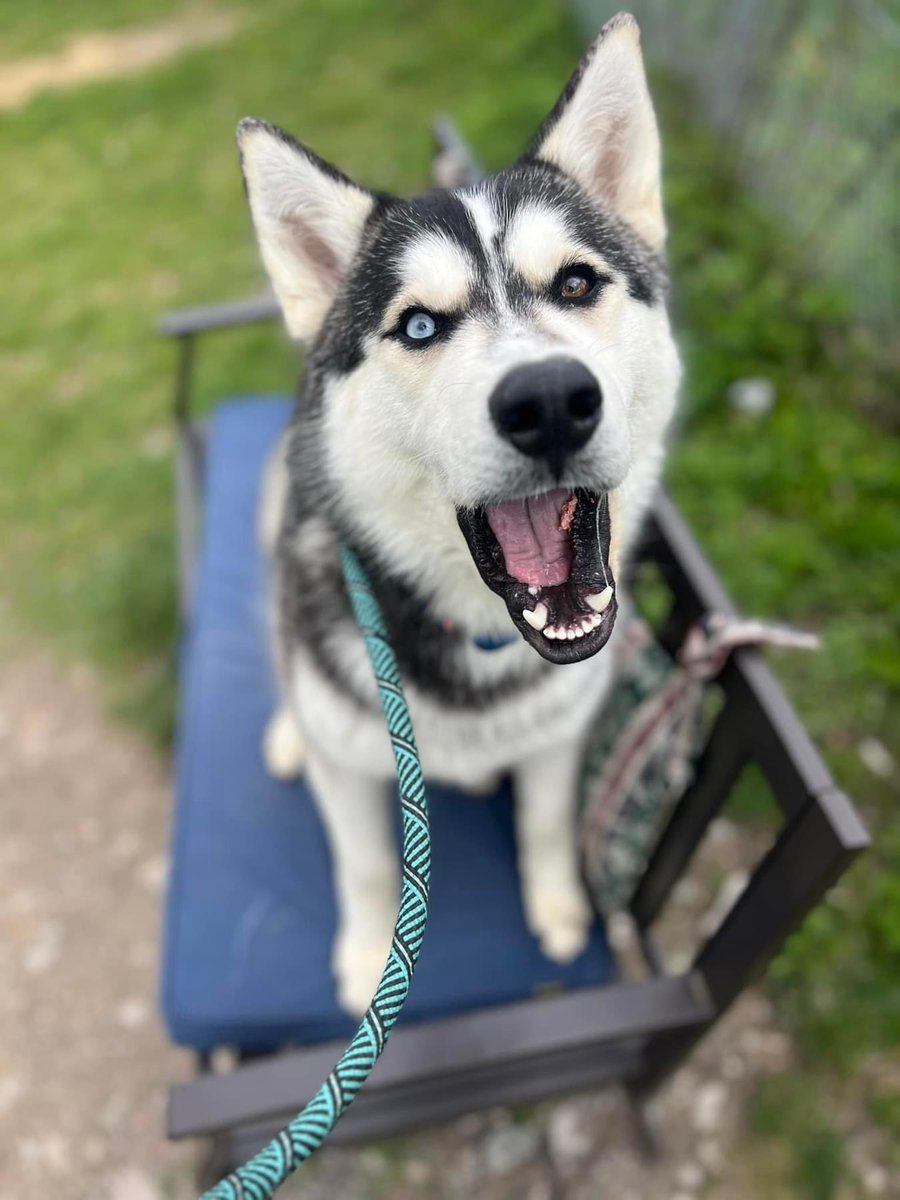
{"points": [[309, 220], [603, 132]]}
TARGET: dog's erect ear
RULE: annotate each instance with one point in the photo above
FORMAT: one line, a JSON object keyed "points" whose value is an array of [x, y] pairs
{"points": [[308, 218], [603, 132]]}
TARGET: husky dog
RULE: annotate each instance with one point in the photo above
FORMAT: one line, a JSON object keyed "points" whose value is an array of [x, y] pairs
{"points": [[489, 378]]}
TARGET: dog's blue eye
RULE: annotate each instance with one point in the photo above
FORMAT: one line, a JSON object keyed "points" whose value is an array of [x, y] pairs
{"points": [[420, 326]]}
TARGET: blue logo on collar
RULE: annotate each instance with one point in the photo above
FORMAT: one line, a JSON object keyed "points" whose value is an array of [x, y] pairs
{"points": [[492, 643], [483, 643]]}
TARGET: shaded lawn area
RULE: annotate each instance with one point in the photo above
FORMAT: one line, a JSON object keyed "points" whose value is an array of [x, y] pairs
{"points": [[126, 200]]}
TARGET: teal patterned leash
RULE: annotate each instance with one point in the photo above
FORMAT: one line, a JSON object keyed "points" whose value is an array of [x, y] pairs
{"points": [[259, 1178]]}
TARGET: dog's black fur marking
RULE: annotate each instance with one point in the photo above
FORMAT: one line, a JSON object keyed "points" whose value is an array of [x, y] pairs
{"points": [[313, 606], [373, 283], [528, 181]]}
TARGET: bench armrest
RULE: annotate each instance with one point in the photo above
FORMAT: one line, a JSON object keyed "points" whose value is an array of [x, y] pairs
{"points": [[186, 322]]}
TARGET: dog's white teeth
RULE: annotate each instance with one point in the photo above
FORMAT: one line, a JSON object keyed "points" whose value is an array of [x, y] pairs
{"points": [[600, 600], [533, 591], [537, 616], [565, 633]]}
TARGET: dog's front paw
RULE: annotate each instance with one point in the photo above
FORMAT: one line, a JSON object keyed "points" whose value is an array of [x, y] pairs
{"points": [[560, 918], [283, 748]]}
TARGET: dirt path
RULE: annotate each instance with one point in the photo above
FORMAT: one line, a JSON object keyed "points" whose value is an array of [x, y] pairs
{"points": [[84, 1062], [89, 57]]}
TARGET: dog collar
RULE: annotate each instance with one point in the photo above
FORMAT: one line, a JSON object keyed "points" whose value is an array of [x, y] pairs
{"points": [[481, 641]]}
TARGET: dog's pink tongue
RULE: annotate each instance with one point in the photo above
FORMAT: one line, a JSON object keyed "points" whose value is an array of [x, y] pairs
{"points": [[536, 550]]}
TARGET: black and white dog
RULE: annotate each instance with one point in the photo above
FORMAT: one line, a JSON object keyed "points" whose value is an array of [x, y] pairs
{"points": [[490, 376]]}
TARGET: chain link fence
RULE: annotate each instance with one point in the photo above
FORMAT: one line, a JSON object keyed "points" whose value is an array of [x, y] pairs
{"points": [[805, 97]]}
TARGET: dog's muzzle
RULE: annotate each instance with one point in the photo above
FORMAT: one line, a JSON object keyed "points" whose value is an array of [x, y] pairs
{"points": [[547, 555]]}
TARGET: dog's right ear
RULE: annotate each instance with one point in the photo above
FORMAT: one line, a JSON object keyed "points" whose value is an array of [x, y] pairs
{"points": [[308, 218]]}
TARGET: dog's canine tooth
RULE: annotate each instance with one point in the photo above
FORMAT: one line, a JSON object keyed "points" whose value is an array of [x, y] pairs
{"points": [[600, 600], [537, 616]]}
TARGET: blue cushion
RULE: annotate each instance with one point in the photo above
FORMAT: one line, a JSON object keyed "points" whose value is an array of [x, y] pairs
{"points": [[251, 915]]}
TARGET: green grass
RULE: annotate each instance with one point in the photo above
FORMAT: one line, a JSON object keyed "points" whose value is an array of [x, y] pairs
{"points": [[125, 200], [789, 1108]]}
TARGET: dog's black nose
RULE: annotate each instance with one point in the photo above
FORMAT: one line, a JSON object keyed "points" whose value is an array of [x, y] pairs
{"points": [[547, 409]]}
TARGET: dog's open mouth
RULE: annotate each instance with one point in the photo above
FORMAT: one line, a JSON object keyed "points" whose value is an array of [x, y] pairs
{"points": [[548, 557]]}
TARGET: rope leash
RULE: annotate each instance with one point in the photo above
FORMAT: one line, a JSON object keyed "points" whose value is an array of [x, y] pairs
{"points": [[259, 1178]]}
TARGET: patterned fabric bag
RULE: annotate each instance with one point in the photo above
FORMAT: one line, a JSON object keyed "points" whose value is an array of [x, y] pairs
{"points": [[642, 752]]}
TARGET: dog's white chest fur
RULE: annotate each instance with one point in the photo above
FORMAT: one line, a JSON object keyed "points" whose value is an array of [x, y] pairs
{"points": [[461, 745]]}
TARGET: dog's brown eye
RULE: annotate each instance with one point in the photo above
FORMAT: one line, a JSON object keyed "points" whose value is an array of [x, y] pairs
{"points": [[574, 287], [575, 283]]}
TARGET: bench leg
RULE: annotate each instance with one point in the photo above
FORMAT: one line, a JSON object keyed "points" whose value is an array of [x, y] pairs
{"points": [[646, 1138], [216, 1159]]}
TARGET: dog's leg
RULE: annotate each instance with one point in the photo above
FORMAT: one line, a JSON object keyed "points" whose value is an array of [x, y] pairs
{"points": [[283, 747], [273, 498], [283, 744], [356, 812], [556, 908]]}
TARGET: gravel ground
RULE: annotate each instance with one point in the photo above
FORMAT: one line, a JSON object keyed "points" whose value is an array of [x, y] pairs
{"points": [[84, 1061]]}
